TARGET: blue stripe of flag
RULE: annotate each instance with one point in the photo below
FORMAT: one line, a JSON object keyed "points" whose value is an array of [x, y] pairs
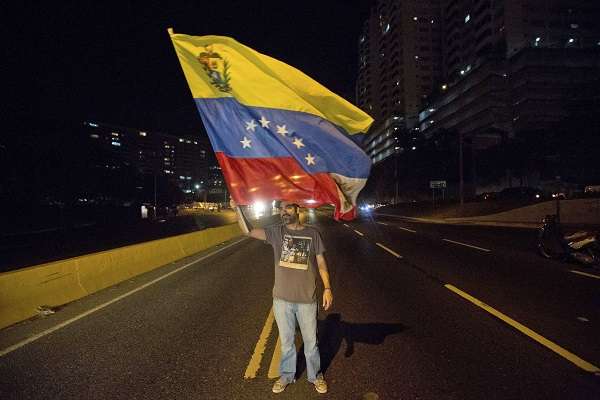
{"points": [[230, 124]]}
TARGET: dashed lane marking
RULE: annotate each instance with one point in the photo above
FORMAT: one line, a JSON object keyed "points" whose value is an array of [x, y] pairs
{"points": [[585, 274], [359, 232], [382, 223], [347, 226], [392, 252], [259, 349], [406, 229], [467, 245], [581, 363], [31, 339]]}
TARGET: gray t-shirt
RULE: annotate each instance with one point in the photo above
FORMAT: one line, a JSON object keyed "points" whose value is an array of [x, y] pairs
{"points": [[295, 262]]}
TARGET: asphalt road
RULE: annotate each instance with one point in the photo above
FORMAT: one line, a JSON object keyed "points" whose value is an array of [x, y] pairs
{"points": [[396, 331]]}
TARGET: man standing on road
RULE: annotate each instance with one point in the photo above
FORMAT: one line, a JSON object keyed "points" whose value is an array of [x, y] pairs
{"points": [[298, 254]]}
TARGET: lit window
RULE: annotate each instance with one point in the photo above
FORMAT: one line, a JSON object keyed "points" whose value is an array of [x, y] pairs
{"points": [[195, 142], [574, 26], [462, 71], [444, 86], [386, 29], [362, 39], [181, 140], [181, 177], [114, 134], [415, 18], [92, 124], [414, 148], [142, 133], [571, 40], [416, 57], [467, 18], [166, 158], [432, 21], [431, 109], [93, 135], [116, 144]]}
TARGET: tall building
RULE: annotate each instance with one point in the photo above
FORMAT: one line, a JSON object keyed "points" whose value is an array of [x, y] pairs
{"points": [[510, 67], [476, 30], [399, 65], [182, 159], [508, 63]]}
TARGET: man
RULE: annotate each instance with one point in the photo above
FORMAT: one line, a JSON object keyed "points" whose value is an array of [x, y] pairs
{"points": [[298, 254]]}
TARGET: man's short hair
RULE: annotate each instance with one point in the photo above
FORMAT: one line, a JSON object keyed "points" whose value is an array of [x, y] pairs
{"points": [[284, 203]]}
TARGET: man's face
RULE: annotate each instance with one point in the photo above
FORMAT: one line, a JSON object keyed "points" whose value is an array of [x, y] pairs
{"points": [[289, 213]]}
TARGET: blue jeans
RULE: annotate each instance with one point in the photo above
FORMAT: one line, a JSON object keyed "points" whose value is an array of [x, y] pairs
{"points": [[286, 314]]}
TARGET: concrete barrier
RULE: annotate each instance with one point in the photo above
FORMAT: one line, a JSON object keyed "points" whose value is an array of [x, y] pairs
{"points": [[60, 282]]}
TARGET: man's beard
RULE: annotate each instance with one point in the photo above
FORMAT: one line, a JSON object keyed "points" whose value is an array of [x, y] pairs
{"points": [[288, 219]]}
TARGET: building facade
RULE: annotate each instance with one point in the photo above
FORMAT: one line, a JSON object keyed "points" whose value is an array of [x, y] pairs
{"points": [[183, 160], [399, 65]]}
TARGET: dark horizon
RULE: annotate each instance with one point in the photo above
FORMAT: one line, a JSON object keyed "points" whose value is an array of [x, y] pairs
{"points": [[117, 64]]}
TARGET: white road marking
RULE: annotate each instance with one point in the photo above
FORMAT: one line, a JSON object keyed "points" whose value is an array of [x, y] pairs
{"points": [[406, 229], [108, 303], [465, 244], [585, 274], [347, 226], [360, 233], [581, 363], [381, 223], [389, 250]]}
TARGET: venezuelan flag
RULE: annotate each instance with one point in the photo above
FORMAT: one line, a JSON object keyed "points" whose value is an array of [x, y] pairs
{"points": [[277, 133]]}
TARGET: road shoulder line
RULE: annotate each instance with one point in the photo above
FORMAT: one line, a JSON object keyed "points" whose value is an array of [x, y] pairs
{"points": [[581, 363]]}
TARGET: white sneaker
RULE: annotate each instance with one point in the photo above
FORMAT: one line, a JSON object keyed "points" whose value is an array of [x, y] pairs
{"points": [[280, 385], [320, 384]]}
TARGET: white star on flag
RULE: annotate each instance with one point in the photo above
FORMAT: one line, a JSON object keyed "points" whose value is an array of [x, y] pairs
{"points": [[310, 160], [250, 126], [282, 130], [246, 142], [264, 122], [298, 142]]}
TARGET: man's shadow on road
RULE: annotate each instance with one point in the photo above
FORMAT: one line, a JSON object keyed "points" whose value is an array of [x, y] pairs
{"points": [[333, 331]]}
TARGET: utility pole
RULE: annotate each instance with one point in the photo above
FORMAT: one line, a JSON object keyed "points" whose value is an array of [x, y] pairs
{"points": [[461, 186], [395, 176]]}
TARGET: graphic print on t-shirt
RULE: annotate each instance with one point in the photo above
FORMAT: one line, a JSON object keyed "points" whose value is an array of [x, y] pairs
{"points": [[295, 251]]}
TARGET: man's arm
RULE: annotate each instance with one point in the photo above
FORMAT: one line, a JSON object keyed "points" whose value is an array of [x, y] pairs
{"points": [[327, 293], [256, 233]]}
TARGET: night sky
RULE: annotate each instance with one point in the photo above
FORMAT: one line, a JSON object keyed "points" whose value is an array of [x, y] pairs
{"points": [[114, 62]]}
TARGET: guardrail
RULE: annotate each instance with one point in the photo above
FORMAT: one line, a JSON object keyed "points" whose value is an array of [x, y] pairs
{"points": [[60, 282]]}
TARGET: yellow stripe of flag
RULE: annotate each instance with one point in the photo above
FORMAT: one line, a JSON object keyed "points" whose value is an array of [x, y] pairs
{"points": [[255, 79]]}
